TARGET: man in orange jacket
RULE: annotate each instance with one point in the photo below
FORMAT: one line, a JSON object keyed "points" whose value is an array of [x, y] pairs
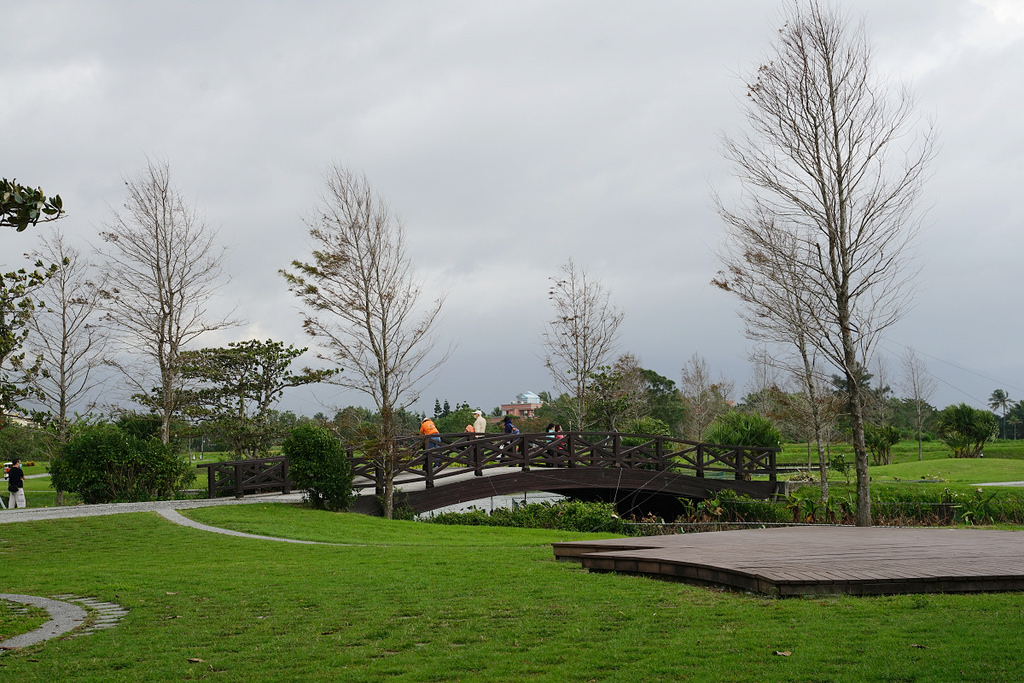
{"points": [[428, 430]]}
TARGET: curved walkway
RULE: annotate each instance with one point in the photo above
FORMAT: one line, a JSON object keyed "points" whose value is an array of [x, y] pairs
{"points": [[69, 511], [63, 617], [178, 518]]}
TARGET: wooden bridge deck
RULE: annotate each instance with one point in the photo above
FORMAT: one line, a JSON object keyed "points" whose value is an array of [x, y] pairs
{"points": [[819, 560]]}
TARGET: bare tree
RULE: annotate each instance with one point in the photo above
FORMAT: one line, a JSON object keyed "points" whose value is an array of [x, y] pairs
{"points": [[66, 335], [705, 399], [365, 306], [163, 268], [831, 179], [762, 268], [919, 386], [581, 336]]}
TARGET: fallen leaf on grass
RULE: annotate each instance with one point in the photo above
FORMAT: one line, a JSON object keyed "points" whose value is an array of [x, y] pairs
{"points": [[194, 660], [923, 647], [172, 592], [783, 653]]}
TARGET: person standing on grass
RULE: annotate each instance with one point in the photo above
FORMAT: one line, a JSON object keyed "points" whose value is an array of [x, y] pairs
{"points": [[16, 484]]}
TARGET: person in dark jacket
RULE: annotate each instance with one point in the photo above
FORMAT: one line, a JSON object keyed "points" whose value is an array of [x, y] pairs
{"points": [[509, 427], [16, 484]]}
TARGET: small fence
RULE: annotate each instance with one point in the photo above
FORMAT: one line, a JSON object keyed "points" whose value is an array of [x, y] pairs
{"points": [[238, 477]]}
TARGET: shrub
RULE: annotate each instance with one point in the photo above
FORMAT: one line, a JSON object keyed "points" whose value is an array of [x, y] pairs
{"points": [[566, 515], [103, 464], [318, 464], [879, 442], [743, 429]]}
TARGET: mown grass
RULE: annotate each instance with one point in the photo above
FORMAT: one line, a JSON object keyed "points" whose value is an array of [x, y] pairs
{"points": [[905, 452], [413, 602], [16, 619]]}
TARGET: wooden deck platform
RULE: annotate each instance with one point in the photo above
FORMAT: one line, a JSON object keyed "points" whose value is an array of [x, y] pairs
{"points": [[793, 561]]}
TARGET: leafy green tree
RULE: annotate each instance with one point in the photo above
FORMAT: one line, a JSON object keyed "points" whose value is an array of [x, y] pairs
{"points": [[665, 402], [22, 206], [454, 421], [965, 430], [319, 465], [28, 442], [614, 397], [18, 302], [236, 388], [104, 464]]}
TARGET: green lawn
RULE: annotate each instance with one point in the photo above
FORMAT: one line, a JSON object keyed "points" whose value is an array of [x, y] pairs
{"points": [[904, 452], [416, 602]]}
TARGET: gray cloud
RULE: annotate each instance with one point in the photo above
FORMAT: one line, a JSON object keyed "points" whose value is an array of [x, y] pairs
{"points": [[509, 136]]}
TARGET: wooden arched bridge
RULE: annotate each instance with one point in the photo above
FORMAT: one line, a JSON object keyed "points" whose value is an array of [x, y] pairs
{"points": [[632, 470]]}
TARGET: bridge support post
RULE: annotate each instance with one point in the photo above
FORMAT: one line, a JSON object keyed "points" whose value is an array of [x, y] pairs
{"points": [[699, 459], [478, 469], [428, 469], [211, 482], [238, 481]]}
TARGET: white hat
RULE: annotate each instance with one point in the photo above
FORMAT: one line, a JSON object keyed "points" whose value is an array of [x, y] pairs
{"points": [[477, 412]]}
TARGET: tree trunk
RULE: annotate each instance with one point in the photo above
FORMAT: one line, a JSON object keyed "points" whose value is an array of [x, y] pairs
{"points": [[863, 516]]}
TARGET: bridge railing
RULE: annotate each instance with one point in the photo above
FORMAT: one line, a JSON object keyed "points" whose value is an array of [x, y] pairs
{"points": [[456, 454], [420, 460]]}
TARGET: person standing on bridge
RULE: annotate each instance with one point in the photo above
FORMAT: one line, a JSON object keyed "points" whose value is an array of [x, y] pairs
{"points": [[509, 427], [480, 423], [429, 430]]}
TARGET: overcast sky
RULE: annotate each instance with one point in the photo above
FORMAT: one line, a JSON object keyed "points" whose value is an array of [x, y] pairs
{"points": [[510, 136]]}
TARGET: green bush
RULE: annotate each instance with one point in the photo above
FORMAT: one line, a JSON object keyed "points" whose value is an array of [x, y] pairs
{"points": [[566, 515], [103, 464], [879, 442], [318, 464]]}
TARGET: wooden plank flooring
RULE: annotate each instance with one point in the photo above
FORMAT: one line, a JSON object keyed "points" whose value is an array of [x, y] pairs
{"points": [[819, 560]]}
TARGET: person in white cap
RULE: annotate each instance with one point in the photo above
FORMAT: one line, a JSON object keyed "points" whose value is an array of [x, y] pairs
{"points": [[480, 423]]}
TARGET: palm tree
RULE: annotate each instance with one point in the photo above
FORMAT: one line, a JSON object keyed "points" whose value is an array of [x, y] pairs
{"points": [[1000, 399]]}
